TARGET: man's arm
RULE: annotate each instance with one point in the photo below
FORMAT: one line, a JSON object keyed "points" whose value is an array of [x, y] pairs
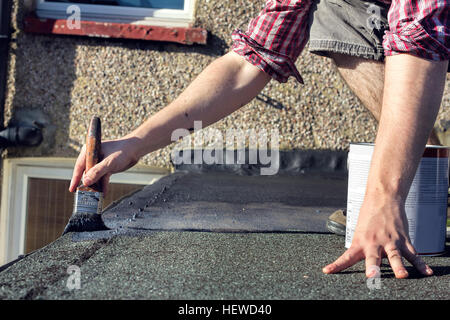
{"points": [[413, 91], [224, 86]]}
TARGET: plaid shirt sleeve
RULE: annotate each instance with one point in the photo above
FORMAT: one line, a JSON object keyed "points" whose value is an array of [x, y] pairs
{"points": [[420, 28], [275, 38]]}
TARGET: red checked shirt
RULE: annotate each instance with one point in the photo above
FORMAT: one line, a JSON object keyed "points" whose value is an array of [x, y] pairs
{"points": [[275, 39]]}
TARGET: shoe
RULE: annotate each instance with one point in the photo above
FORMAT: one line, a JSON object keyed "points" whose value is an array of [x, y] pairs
{"points": [[336, 222]]}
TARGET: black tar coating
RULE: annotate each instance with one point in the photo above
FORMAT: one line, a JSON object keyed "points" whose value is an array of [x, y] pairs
{"points": [[236, 198], [226, 202]]}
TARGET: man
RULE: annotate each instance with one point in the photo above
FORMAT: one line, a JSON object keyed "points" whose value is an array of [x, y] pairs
{"points": [[404, 93]]}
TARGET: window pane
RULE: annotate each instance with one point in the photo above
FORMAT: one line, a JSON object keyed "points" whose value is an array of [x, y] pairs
{"points": [[158, 4], [50, 205]]}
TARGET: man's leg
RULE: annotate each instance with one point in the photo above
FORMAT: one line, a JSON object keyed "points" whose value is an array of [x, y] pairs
{"points": [[366, 79]]}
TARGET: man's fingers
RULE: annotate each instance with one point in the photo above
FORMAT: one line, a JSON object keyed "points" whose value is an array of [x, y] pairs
{"points": [[349, 258], [410, 254], [95, 173], [373, 262], [395, 260], [78, 170]]}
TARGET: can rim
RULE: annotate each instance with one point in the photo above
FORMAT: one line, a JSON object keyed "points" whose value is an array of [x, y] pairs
{"points": [[371, 144], [431, 254]]}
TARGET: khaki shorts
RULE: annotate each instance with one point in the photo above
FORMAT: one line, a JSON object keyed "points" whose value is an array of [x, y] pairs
{"points": [[352, 27]]}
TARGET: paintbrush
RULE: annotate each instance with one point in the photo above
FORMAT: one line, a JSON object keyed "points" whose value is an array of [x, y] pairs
{"points": [[88, 203]]}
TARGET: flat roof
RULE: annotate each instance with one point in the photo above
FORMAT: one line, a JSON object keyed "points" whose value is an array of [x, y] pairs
{"points": [[173, 249]]}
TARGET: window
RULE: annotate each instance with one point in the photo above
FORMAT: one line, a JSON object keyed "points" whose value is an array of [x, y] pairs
{"points": [[157, 4], [49, 206], [174, 13], [36, 204]]}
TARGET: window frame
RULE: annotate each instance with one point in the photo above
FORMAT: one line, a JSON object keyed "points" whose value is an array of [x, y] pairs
{"points": [[17, 171], [120, 14]]}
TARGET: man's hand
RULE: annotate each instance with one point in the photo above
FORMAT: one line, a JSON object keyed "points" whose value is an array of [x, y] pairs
{"points": [[381, 232], [413, 89], [117, 156]]}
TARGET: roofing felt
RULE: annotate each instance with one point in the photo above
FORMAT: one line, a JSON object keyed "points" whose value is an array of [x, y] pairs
{"points": [[200, 236]]}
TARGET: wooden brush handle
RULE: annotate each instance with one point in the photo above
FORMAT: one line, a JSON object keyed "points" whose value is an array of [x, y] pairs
{"points": [[93, 143], [93, 147]]}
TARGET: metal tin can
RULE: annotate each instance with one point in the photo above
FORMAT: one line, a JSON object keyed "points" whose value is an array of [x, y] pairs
{"points": [[425, 206]]}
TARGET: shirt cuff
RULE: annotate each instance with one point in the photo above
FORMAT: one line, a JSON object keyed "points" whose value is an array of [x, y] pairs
{"points": [[415, 40], [276, 65]]}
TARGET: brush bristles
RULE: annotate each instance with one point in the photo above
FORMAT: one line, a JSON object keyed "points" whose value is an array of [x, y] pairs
{"points": [[80, 222]]}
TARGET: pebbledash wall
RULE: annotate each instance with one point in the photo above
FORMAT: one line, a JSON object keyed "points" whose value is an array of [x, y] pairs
{"points": [[64, 80]]}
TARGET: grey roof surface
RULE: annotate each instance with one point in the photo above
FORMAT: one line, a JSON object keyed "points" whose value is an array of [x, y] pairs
{"points": [[189, 259]]}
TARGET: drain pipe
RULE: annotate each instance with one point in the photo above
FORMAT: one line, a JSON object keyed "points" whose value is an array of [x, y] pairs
{"points": [[15, 135], [5, 36]]}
